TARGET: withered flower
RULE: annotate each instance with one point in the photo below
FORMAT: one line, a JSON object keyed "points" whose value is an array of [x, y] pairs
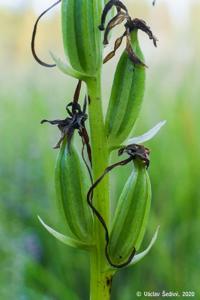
{"points": [[137, 152], [130, 25], [75, 121]]}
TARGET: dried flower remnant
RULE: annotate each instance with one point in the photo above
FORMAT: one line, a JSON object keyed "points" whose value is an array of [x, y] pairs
{"points": [[120, 8], [34, 36], [130, 25], [75, 121], [135, 152]]}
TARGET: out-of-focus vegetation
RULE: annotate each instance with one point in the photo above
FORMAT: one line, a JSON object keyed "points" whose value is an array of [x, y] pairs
{"points": [[33, 264]]}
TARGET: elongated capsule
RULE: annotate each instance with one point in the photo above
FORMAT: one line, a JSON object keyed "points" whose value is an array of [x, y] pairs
{"points": [[131, 215], [81, 37], [72, 183], [126, 96]]}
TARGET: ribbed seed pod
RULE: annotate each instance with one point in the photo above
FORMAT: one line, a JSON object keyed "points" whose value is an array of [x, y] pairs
{"points": [[126, 96], [72, 183], [131, 215], [82, 41]]}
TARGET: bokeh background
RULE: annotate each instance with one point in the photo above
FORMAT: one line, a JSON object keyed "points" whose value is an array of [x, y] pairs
{"points": [[33, 264]]}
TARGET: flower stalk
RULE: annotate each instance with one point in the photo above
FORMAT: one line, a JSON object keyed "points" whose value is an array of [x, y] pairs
{"points": [[99, 287]]}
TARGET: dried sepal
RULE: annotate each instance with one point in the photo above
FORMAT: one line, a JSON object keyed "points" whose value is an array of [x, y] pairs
{"points": [[119, 6], [34, 36], [118, 19], [142, 25], [75, 121], [116, 46]]}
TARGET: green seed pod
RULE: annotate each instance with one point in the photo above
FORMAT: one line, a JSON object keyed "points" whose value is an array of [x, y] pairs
{"points": [[126, 96], [131, 215], [72, 183], [81, 38]]}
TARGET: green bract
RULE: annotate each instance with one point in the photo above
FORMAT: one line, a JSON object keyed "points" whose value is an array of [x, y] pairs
{"points": [[131, 215], [126, 96], [81, 38], [72, 183]]}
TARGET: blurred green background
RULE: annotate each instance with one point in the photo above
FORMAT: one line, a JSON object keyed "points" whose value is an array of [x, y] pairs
{"points": [[33, 264]]}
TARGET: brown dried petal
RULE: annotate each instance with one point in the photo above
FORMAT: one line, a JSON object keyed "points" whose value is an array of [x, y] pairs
{"points": [[141, 24], [118, 42], [57, 122], [117, 45], [57, 146], [118, 19], [108, 57], [77, 92], [119, 6], [34, 36]]}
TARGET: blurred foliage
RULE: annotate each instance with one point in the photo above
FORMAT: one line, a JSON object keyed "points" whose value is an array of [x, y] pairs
{"points": [[33, 264]]}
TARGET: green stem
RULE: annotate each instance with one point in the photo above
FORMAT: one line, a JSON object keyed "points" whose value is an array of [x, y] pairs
{"points": [[100, 279]]}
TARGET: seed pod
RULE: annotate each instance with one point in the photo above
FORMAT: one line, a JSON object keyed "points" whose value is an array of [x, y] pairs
{"points": [[72, 183], [81, 38], [131, 215], [126, 96]]}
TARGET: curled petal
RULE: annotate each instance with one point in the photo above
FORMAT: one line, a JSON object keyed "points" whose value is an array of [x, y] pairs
{"points": [[57, 146], [34, 36], [54, 122], [112, 53], [109, 57], [141, 24], [118, 4], [118, 19]]}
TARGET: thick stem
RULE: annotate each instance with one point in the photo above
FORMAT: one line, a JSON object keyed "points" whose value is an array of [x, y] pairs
{"points": [[100, 279]]}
